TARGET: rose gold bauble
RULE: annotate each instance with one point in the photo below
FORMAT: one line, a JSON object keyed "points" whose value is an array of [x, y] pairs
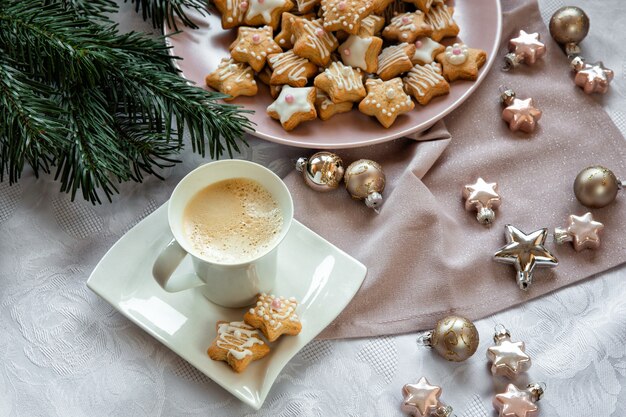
{"points": [[596, 186]]}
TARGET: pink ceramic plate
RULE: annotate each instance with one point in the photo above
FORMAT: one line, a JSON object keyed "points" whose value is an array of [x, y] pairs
{"points": [[203, 48]]}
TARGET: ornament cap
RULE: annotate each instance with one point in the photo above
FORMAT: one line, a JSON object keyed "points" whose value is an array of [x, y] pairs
{"points": [[506, 96], [301, 164], [577, 63], [425, 339], [501, 333], [524, 279], [511, 61], [485, 216], [536, 390], [561, 235], [442, 410], [374, 200]]}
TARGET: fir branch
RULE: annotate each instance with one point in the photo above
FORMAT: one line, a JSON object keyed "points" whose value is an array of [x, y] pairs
{"points": [[169, 11]]}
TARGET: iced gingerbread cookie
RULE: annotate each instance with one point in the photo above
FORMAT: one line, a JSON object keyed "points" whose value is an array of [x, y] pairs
{"points": [[237, 344], [423, 5], [253, 45], [285, 37], [232, 78], [313, 42], [440, 18], [426, 50], [293, 106], [424, 82], [361, 52], [265, 76], [345, 15], [371, 25], [306, 6], [407, 27], [289, 68], [385, 100], [326, 108], [395, 8], [394, 60], [341, 83], [461, 63], [380, 6], [266, 12], [233, 12], [274, 316]]}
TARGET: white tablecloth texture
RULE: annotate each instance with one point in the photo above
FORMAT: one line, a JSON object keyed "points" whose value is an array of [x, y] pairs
{"points": [[64, 352]]}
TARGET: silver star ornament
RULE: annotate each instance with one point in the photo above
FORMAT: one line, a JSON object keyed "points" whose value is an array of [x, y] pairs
{"points": [[525, 252]]}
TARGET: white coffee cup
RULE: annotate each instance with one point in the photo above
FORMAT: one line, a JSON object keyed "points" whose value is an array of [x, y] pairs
{"points": [[226, 284]]}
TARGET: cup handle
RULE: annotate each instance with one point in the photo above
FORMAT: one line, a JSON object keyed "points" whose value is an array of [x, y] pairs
{"points": [[166, 263]]}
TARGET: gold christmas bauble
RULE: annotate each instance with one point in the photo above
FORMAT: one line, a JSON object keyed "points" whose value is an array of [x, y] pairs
{"points": [[596, 186], [455, 338], [365, 180], [323, 171], [569, 25]]}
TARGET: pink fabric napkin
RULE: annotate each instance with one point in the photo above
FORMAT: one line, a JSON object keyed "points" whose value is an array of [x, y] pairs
{"points": [[427, 256]]}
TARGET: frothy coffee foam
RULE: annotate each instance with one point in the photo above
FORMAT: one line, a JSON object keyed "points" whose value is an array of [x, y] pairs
{"points": [[232, 221]]}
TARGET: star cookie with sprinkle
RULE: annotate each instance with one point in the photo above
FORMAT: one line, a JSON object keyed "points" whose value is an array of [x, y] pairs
{"points": [[426, 50], [459, 62], [237, 344], [232, 78], [274, 316], [313, 42], [385, 100], [345, 15], [253, 45], [233, 12], [266, 12], [361, 52], [293, 106], [407, 27]]}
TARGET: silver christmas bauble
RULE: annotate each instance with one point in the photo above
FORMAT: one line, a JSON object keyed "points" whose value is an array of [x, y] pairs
{"points": [[596, 186], [569, 25], [323, 171], [365, 180]]}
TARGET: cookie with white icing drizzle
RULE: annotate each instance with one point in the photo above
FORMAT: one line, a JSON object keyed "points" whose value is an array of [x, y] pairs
{"points": [[423, 5], [274, 316], [461, 63], [305, 6], [326, 108], [426, 50], [361, 52], [293, 106], [233, 12], [266, 12], [237, 344], [289, 68], [380, 6], [253, 45], [313, 42], [395, 60], [345, 14], [341, 83], [407, 27], [425, 82], [285, 37], [232, 78], [440, 18], [371, 25], [385, 100]]}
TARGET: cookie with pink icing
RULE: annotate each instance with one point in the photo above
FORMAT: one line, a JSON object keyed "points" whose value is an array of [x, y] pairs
{"points": [[341, 83], [385, 100], [326, 108], [459, 62], [237, 344], [361, 52], [274, 316], [253, 45], [395, 60], [345, 15], [313, 42], [232, 78], [426, 50], [266, 12], [440, 18], [425, 82], [289, 68], [407, 27], [233, 12], [293, 106]]}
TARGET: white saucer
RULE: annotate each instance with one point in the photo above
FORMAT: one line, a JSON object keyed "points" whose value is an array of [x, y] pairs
{"points": [[323, 279]]}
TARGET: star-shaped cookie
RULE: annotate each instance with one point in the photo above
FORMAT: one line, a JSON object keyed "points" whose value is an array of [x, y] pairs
{"points": [[289, 68], [371, 25], [508, 358], [326, 108], [274, 316], [341, 83], [361, 52], [293, 106], [385, 100], [253, 45], [232, 78], [266, 12], [439, 16], [345, 15], [584, 231], [521, 115], [424, 82], [407, 27], [525, 252], [594, 78], [527, 46], [394, 60], [426, 50], [460, 62], [313, 42], [237, 344], [233, 12], [514, 403], [420, 399]]}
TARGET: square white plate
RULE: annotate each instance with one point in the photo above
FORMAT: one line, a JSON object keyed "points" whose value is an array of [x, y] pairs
{"points": [[323, 279]]}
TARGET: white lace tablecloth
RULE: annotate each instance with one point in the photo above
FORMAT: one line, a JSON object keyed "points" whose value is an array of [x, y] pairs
{"points": [[64, 352]]}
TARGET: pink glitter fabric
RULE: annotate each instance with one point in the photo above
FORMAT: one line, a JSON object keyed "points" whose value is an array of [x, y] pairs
{"points": [[427, 256]]}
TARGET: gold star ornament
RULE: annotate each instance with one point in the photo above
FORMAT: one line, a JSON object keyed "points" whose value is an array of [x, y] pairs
{"points": [[482, 196], [521, 115], [592, 78], [422, 400], [525, 48], [525, 252], [507, 358]]}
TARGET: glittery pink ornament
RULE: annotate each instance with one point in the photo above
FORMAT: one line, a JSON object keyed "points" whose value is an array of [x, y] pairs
{"points": [[289, 98]]}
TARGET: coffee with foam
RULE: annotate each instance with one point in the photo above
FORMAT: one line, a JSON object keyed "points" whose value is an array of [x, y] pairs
{"points": [[232, 221]]}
